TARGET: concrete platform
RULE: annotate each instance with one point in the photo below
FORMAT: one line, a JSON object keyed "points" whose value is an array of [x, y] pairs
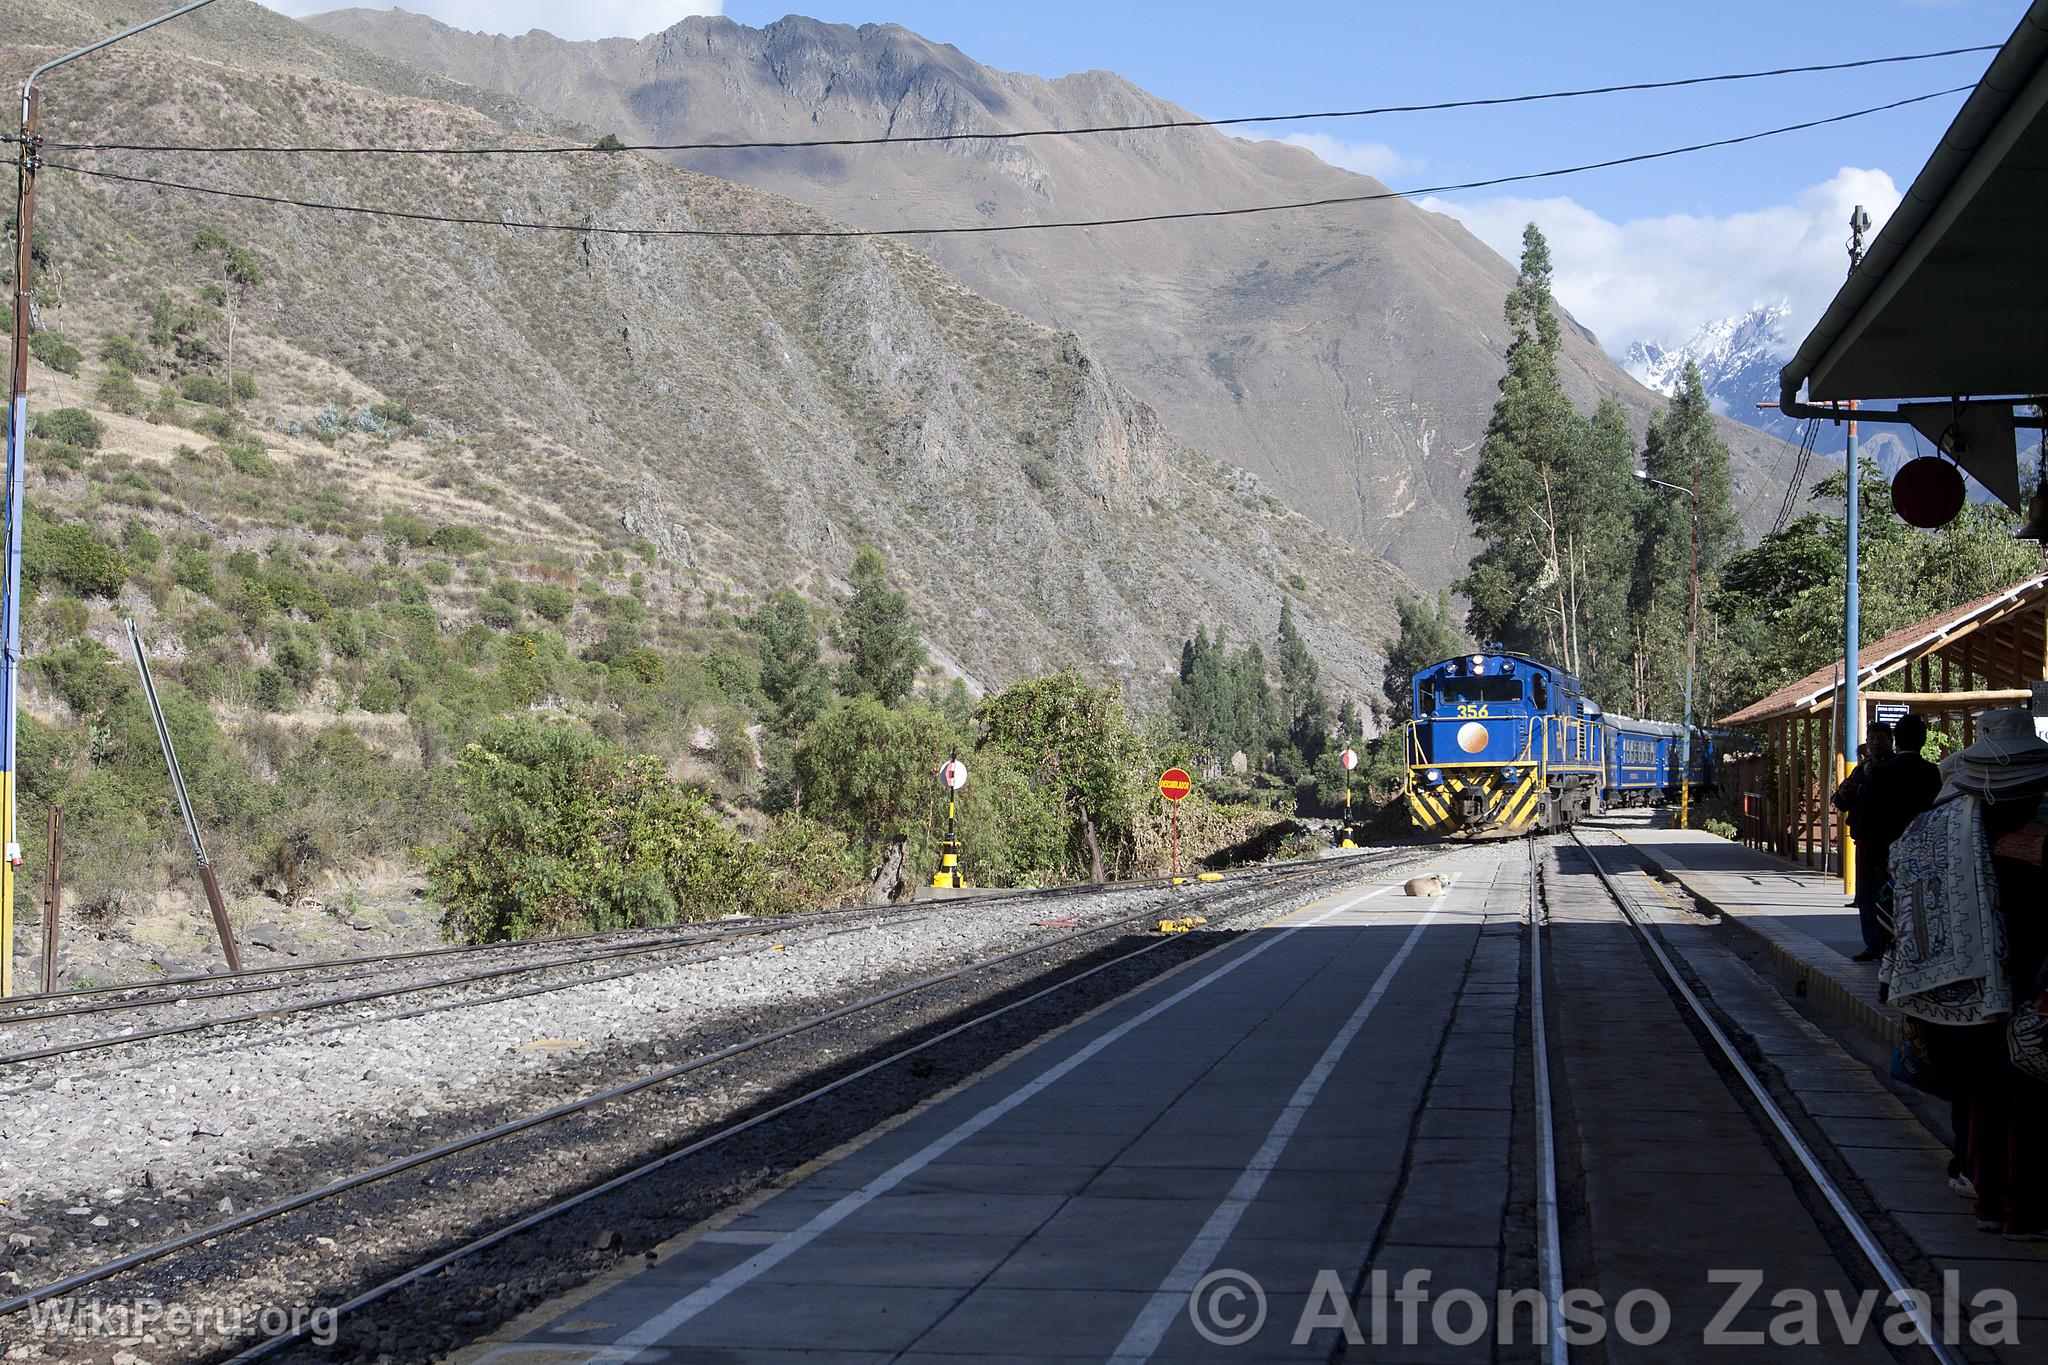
{"points": [[1257, 1110], [1800, 916]]}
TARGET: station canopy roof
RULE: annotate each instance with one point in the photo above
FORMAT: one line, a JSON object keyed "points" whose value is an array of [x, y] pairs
{"points": [[1815, 691], [1951, 299]]}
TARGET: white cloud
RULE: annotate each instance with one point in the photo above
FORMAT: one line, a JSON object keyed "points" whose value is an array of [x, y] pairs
{"points": [[1657, 279], [1375, 159], [586, 19]]}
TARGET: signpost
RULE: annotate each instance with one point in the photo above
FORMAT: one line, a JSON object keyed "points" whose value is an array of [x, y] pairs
{"points": [[952, 776], [1174, 785], [1349, 758]]}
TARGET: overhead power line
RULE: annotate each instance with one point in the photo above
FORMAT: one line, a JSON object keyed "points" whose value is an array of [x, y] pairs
{"points": [[1185, 215], [1484, 102]]}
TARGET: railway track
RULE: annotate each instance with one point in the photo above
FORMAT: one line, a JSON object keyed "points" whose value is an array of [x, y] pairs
{"points": [[643, 1129], [62, 1026], [1665, 1146]]}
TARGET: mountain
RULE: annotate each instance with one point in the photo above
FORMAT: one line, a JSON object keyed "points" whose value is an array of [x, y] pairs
{"points": [[1348, 356], [1739, 358], [743, 413]]}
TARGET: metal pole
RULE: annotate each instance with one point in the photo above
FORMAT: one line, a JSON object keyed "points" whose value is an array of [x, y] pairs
{"points": [[17, 442], [53, 891], [206, 875], [1852, 607], [1692, 636]]}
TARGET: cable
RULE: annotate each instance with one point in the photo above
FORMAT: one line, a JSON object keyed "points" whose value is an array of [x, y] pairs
{"points": [[1800, 464], [1184, 215], [1486, 102]]}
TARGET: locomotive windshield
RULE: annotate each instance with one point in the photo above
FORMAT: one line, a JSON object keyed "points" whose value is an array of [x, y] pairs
{"points": [[1452, 691]]}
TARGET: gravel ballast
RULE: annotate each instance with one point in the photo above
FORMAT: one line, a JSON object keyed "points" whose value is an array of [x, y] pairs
{"points": [[176, 1137]]}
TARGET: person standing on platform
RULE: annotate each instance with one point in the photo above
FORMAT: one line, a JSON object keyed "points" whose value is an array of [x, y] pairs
{"points": [[1897, 788], [1971, 917]]}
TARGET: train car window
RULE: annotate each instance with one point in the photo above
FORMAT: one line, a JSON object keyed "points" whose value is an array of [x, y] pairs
{"points": [[1542, 692], [1451, 691]]}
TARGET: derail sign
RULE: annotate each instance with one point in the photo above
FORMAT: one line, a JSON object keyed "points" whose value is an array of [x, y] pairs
{"points": [[1174, 784]]}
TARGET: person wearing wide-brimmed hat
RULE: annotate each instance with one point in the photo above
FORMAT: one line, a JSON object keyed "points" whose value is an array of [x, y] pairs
{"points": [[1968, 892]]}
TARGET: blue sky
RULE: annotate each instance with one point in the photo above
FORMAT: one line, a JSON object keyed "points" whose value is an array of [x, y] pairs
{"points": [[1645, 251]]}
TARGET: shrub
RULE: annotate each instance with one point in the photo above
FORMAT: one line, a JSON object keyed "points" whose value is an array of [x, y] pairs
{"points": [[244, 385], [123, 352], [439, 572], [61, 455], [117, 391], [248, 457], [551, 601], [218, 425], [298, 657], [60, 619], [83, 673], [55, 352], [403, 528], [459, 540], [380, 695], [72, 556], [274, 690], [567, 832], [399, 415], [192, 567], [497, 612], [144, 546], [73, 426], [204, 388], [345, 635]]}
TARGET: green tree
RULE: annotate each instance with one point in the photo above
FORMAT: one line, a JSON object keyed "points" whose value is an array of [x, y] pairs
{"points": [[1598, 513], [1777, 609], [792, 678], [870, 771], [877, 633], [1519, 581], [1221, 703], [1683, 450], [1081, 749], [1427, 635], [237, 272], [1304, 710]]}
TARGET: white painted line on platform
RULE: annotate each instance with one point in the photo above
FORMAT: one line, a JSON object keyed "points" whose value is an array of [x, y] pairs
{"points": [[1171, 1298], [650, 1332]]}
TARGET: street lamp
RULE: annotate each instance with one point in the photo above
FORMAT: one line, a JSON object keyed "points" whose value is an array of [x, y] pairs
{"points": [[17, 445], [1692, 636]]}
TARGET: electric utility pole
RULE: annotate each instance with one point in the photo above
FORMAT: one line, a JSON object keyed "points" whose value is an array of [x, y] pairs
{"points": [[1852, 611], [17, 455]]}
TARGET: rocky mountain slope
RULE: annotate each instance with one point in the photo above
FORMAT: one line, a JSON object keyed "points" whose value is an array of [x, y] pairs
{"points": [[1348, 356], [752, 409]]}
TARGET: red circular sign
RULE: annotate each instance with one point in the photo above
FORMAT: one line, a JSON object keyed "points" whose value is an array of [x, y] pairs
{"points": [[1927, 492], [1175, 784], [953, 773], [1349, 758]]}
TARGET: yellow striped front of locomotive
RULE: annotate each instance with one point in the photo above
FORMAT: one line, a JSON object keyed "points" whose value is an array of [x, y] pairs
{"points": [[1474, 801]]}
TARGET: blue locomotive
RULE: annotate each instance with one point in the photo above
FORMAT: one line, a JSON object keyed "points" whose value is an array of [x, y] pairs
{"points": [[1503, 744]]}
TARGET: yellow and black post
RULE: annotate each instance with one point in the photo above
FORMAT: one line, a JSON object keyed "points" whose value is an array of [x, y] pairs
{"points": [[953, 774]]}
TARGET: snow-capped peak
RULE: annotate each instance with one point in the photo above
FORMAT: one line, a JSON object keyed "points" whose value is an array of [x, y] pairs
{"points": [[1733, 353]]}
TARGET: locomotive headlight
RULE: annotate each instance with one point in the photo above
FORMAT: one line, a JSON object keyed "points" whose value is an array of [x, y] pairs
{"points": [[1507, 665], [1510, 772], [1433, 776]]}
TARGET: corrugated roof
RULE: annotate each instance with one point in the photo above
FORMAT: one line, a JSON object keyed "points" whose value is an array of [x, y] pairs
{"points": [[1882, 656]]}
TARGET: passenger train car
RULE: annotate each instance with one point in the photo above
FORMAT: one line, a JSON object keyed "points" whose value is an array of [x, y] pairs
{"points": [[1503, 744]]}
